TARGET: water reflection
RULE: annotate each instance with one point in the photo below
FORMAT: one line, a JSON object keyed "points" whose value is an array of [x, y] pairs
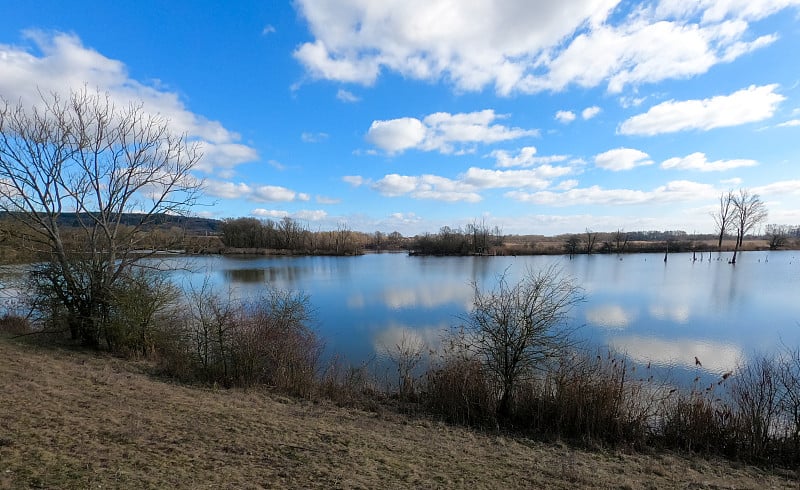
{"points": [[673, 313], [707, 355], [395, 338], [610, 317], [426, 296], [664, 314], [245, 275], [356, 301]]}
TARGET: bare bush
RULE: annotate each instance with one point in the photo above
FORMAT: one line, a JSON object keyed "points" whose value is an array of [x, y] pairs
{"points": [[406, 355], [514, 329], [755, 392], [142, 306], [789, 379], [267, 341], [697, 421], [348, 385], [14, 324], [458, 390], [273, 344], [589, 398]]}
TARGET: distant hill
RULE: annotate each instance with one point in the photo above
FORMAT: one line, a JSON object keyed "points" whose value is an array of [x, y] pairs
{"points": [[192, 224]]}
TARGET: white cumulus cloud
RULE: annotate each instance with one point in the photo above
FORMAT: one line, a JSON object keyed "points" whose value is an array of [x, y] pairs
{"points": [[622, 159], [262, 193], [467, 186], [431, 187], [565, 117], [58, 63], [590, 112], [442, 132], [539, 177], [397, 135], [755, 103], [528, 45]]}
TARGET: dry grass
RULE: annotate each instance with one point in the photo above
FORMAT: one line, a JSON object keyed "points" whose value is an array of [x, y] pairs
{"points": [[76, 420]]}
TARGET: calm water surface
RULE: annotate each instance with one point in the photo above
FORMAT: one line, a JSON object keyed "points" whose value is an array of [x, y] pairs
{"points": [[656, 312]]}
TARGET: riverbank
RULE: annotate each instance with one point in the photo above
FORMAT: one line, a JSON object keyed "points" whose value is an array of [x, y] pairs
{"points": [[71, 419]]}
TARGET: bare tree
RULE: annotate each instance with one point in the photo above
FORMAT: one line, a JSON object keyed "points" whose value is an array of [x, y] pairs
{"points": [[724, 216], [86, 156], [572, 244], [591, 240], [777, 235], [515, 328], [749, 211], [620, 239]]}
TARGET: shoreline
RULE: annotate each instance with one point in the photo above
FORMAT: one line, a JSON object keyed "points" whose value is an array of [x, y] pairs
{"points": [[80, 419]]}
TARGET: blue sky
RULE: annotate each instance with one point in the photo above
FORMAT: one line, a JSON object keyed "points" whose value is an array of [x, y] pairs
{"points": [[536, 116]]}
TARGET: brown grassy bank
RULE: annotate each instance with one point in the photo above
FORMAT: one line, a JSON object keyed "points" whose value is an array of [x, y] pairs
{"points": [[76, 420]]}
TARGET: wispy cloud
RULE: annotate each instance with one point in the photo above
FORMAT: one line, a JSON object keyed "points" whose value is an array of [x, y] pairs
{"points": [[347, 96], [468, 185], [526, 157], [327, 200], [314, 137], [698, 161], [674, 191], [303, 215], [789, 124]]}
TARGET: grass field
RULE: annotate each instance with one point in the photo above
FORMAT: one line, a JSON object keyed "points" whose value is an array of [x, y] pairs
{"points": [[73, 419]]}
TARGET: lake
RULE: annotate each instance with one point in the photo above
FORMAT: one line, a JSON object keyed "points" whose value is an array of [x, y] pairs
{"points": [[661, 313]]}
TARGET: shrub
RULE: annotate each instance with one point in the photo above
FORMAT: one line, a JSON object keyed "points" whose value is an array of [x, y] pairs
{"points": [[14, 324], [273, 345], [140, 312], [458, 390], [515, 329], [235, 343], [696, 421], [587, 398], [348, 385]]}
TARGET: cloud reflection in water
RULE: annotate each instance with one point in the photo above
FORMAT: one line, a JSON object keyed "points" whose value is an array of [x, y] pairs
{"points": [[610, 317], [716, 357], [674, 313], [398, 336], [426, 296]]}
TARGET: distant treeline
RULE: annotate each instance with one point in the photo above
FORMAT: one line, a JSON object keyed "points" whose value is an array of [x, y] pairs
{"points": [[197, 235], [475, 239], [289, 235]]}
